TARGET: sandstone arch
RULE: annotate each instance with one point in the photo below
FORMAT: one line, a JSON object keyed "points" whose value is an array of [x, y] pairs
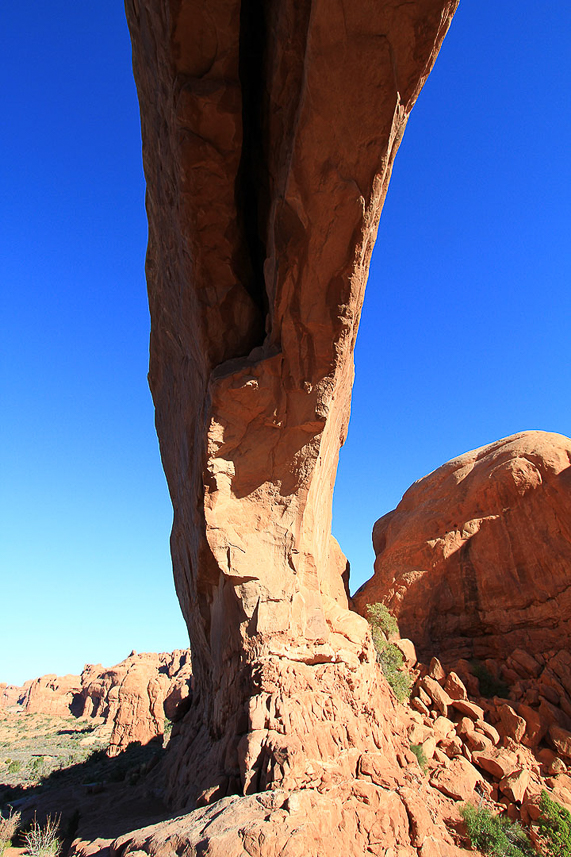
{"points": [[269, 135]]}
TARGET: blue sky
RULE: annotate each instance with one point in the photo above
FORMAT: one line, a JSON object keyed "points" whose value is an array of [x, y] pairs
{"points": [[464, 335]]}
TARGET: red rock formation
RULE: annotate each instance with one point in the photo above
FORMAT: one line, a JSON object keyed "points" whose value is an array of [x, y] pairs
{"points": [[52, 694], [269, 135], [476, 558], [11, 695], [134, 696]]}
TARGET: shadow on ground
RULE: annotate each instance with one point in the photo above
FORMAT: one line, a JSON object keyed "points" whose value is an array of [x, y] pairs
{"points": [[100, 797]]}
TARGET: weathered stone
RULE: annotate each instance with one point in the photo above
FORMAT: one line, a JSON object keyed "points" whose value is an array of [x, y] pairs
{"points": [[437, 694], [408, 651], [269, 134], [52, 694], [534, 728], [458, 780], [498, 763], [454, 687], [488, 730], [526, 662], [419, 706], [470, 709], [514, 785], [443, 727], [451, 746], [561, 739], [464, 726], [512, 725], [429, 746], [437, 671], [477, 742], [476, 558]]}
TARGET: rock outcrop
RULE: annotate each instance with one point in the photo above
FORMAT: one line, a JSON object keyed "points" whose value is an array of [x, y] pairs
{"points": [[269, 136], [136, 695], [11, 694], [52, 694], [132, 698], [475, 561]]}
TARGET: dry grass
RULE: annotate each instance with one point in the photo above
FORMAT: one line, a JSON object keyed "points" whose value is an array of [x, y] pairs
{"points": [[43, 840], [8, 826]]}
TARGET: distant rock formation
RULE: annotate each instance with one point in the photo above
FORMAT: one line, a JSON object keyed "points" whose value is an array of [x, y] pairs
{"points": [[136, 695], [269, 136], [476, 558], [133, 697], [52, 694], [11, 694]]}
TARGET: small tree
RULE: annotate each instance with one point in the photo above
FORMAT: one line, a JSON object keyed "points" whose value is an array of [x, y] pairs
{"points": [[389, 656], [495, 836]]}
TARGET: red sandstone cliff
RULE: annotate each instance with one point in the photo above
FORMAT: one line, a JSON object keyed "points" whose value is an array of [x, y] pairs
{"points": [[476, 558]]}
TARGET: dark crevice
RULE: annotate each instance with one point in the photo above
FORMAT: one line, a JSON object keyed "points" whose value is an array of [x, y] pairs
{"points": [[251, 190]]}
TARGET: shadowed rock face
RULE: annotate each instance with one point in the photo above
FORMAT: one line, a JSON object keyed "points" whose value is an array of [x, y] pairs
{"points": [[269, 134], [476, 558]]}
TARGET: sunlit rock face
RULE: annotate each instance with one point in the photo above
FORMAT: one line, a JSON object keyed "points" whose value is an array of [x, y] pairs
{"points": [[476, 558], [269, 135]]}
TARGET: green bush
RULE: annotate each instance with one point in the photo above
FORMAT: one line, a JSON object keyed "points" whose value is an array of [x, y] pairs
{"points": [[14, 767], [495, 836], [379, 617], [420, 755], [555, 827], [389, 656], [489, 686]]}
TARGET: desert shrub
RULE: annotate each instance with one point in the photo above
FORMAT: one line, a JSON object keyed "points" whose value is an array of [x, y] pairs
{"points": [[489, 685], [43, 840], [14, 766], [36, 765], [555, 827], [389, 656], [379, 617], [420, 755], [495, 836], [8, 827]]}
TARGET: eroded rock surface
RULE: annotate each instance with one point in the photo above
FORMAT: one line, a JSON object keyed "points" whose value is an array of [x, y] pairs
{"points": [[269, 135], [476, 558]]}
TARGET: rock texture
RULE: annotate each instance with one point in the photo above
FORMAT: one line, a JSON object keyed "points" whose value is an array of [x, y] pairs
{"points": [[476, 558], [269, 135]]}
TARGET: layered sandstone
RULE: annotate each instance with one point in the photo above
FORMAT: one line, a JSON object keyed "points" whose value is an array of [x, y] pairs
{"points": [[269, 135], [476, 558]]}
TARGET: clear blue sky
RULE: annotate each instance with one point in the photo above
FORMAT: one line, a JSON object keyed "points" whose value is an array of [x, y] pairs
{"points": [[464, 337]]}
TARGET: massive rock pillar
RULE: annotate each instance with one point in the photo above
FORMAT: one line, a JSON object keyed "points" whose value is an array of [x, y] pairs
{"points": [[270, 129]]}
